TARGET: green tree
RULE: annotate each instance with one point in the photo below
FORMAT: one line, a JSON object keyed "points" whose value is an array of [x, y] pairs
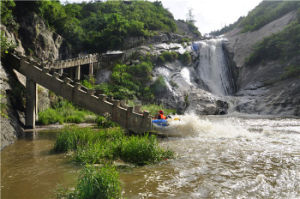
{"points": [[6, 11]]}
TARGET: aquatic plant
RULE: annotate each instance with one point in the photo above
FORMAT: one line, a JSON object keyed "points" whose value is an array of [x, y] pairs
{"points": [[95, 183], [142, 150], [105, 145]]}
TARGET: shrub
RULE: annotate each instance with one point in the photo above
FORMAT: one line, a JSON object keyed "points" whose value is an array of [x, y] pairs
{"points": [[185, 58], [167, 56], [98, 183], [7, 7], [159, 86]]}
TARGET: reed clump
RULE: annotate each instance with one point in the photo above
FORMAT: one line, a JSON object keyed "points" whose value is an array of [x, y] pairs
{"points": [[95, 183], [105, 145]]}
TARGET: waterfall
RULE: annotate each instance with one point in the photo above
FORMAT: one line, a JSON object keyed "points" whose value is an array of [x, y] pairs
{"points": [[212, 68]]}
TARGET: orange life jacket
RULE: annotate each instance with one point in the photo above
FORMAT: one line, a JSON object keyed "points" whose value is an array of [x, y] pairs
{"points": [[162, 116]]}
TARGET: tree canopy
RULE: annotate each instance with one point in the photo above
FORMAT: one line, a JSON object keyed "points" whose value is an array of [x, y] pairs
{"points": [[99, 26]]}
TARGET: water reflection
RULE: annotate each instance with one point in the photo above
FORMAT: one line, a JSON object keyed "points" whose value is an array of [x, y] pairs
{"points": [[30, 170]]}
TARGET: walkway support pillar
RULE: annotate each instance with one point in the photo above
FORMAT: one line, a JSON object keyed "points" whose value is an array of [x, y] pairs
{"points": [[91, 67], [91, 70], [31, 93], [77, 73]]}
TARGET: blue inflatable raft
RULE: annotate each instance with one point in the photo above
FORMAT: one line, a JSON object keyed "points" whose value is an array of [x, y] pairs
{"points": [[160, 122]]}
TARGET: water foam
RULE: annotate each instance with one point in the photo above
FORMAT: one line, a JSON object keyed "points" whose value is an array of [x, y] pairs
{"points": [[197, 126]]}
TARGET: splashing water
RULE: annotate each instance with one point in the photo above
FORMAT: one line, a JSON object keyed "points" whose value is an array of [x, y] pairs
{"points": [[196, 126], [225, 157]]}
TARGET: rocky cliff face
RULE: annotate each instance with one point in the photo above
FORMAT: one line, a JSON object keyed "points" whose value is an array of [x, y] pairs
{"points": [[33, 38], [11, 128], [260, 89]]}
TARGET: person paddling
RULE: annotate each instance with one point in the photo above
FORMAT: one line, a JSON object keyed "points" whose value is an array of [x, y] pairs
{"points": [[161, 115]]}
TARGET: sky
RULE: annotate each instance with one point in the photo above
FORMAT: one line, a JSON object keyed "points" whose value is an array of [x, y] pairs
{"points": [[210, 15]]}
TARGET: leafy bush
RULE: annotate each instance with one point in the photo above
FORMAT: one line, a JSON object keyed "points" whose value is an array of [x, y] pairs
{"points": [[6, 11], [128, 82], [167, 56], [159, 86], [6, 45], [185, 58], [89, 83], [98, 183]]}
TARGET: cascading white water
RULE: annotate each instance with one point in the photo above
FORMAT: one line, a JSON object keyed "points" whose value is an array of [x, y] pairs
{"points": [[212, 68]]}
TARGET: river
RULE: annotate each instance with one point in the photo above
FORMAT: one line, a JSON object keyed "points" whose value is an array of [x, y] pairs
{"points": [[217, 157]]}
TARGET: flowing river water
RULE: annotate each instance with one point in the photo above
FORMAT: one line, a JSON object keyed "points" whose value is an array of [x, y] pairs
{"points": [[217, 157]]}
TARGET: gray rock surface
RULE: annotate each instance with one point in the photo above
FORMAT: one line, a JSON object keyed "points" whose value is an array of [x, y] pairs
{"points": [[260, 88], [33, 39], [10, 127], [241, 44], [38, 40]]}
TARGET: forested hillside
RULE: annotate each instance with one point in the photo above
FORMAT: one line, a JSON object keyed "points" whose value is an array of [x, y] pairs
{"points": [[95, 26], [261, 15]]}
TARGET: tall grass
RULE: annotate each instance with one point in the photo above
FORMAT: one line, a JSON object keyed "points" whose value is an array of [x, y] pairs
{"points": [[64, 111], [98, 183], [105, 145], [142, 150], [95, 183]]}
